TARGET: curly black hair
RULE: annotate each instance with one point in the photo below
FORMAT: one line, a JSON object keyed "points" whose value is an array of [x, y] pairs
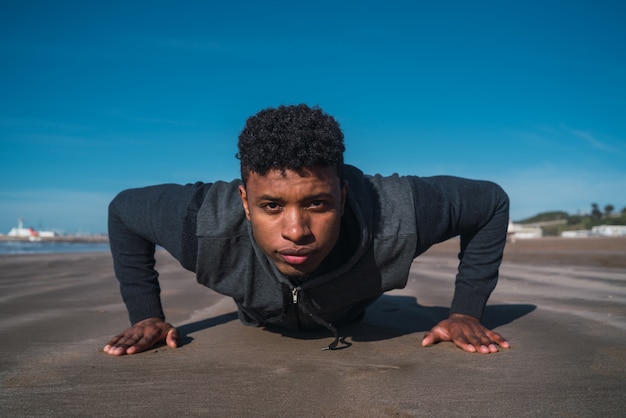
{"points": [[290, 138]]}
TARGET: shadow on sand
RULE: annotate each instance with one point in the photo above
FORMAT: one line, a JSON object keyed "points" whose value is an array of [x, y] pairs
{"points": [[391, 316]]}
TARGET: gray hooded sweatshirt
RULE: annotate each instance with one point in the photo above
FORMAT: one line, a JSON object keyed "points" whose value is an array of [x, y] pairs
{"points": [[388, 221]]}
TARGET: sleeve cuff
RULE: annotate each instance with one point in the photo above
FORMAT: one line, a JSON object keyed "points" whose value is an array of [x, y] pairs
{"points": [[468, 302], [141, 307]]}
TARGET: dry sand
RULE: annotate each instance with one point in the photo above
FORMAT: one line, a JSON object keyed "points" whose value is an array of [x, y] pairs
{"points": [[589, 252], [561, 303]]}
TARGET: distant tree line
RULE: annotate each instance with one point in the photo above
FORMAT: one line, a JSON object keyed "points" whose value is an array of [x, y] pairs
{"points": [[608, 211]]}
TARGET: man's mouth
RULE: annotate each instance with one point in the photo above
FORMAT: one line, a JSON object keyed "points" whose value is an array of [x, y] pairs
{"points": [[295, 257]]}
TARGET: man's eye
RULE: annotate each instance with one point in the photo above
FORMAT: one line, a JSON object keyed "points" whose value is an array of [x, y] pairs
{"points": [[317, 203], [271, 206]]}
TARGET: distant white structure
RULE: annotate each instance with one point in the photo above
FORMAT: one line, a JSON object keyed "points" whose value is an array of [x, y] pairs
{"points": [[22, 232], [609, 230], [519, 231], [597, 231], [580, 233], [47, 234], [30, 233]]}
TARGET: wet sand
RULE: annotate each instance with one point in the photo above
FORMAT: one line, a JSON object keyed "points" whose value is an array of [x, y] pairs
{"points": [[561, 303]]}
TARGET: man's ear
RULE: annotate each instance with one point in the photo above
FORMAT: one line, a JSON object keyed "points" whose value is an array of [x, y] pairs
{"points": [[244, 200]]}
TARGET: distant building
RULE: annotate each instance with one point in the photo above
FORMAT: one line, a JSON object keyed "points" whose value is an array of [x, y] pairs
{"points": [[609, 230], [520, 231], [30, 233], [597, 231], [22, 232], [580, 233], [47, 234]]}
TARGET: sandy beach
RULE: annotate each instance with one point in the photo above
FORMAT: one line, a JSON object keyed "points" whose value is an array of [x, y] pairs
{"points": [[560, 302]]}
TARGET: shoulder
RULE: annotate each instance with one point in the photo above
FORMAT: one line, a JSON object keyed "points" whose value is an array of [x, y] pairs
{"points": [[161, 196], [385, 203], [221, 212], [383, 188]]}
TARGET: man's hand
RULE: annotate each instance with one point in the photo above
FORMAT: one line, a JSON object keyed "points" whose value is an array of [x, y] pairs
{"points": [[467, 333], [142, 336]]}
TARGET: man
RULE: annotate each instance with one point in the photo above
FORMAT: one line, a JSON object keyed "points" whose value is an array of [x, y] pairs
{"points": [[304, 241]]}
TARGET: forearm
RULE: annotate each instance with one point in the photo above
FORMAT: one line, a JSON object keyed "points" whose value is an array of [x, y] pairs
{"points": [[482, 247], [134, 264], [141, 219], [477, 211]]}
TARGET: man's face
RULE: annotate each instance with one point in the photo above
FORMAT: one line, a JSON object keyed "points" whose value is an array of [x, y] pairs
{"points": [[295, 219]]}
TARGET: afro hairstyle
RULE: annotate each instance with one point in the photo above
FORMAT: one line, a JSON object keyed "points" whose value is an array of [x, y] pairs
{"points": [[293, 137]]}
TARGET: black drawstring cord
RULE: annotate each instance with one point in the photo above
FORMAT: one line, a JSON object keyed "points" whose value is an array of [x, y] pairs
{"points": [[303, 301]]}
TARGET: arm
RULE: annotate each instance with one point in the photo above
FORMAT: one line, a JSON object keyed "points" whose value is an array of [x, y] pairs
{"points": [[139, 220], [477, 211]]}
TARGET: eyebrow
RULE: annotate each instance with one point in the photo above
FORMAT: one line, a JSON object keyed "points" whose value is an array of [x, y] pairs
{"points": [[317, 196]]}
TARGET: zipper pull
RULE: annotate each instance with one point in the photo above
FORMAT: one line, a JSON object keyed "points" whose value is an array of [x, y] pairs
{"points": [[294, 295]]}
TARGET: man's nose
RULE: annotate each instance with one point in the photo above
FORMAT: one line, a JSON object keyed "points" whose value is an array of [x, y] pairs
{"points": [[295, 226]]}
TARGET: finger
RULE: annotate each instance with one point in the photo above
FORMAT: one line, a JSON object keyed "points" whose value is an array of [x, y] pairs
{"points": [[429, 339], [115, 350], [113, 341], [435, 335], [137, 348], [125, 343], [144, 343], [487, 343], [499, 340], [484, 349], [119, 349], [172, 338], [118, 345], [465, 346], [468, 342]]}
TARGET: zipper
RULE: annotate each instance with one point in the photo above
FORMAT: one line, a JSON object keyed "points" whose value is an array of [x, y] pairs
{"points": [[316, 318], [296, 310]]}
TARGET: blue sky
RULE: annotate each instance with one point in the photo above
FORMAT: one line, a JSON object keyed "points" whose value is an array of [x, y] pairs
{"points": [[97, 97]]}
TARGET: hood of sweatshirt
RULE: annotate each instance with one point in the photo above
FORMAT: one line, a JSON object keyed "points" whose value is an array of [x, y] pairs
{"points": [[378, 257]]}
